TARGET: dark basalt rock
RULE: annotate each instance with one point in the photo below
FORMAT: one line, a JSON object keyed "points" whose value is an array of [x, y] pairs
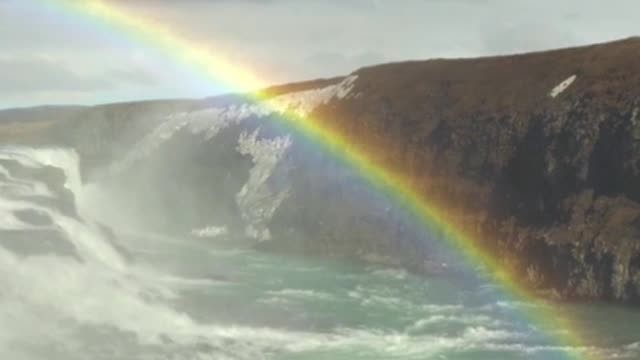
{"points": [[551, 185]]}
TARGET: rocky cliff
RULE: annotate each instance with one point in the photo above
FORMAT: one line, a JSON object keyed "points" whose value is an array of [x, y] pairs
{"points": [[537, 155]]}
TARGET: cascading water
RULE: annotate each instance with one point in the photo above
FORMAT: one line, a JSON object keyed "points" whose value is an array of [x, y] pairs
{"points": [[256, 202], [129, 264], [85, 303]]}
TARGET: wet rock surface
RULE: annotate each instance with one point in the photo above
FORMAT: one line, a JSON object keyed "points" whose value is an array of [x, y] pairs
{"points": [[551, 184], [546, 178]]}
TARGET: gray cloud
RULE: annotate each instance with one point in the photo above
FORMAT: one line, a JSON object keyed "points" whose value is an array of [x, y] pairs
{"points": [[131, 76], [36, 74], [283, 40], [41, 74]]}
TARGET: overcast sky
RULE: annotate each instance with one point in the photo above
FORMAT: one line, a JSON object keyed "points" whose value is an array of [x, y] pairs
{"points": [[47, 57]]}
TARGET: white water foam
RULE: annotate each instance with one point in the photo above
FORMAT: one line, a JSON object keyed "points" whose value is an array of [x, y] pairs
{"points": [[467, 319], [64, 159], [84, 237], [51, 300], [301, 294], [256, 200], [395, 274], [210, 231], [99, 288]]}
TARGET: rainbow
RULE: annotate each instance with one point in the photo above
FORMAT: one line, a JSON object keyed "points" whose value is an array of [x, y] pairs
{"points": [[214, 68]]}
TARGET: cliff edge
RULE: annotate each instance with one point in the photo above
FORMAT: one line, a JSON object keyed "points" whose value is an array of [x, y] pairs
{"points": [[536, 154]]}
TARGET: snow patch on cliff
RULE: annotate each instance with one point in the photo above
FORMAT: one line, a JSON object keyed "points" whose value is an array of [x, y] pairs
{"points": [[562, 86]]}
